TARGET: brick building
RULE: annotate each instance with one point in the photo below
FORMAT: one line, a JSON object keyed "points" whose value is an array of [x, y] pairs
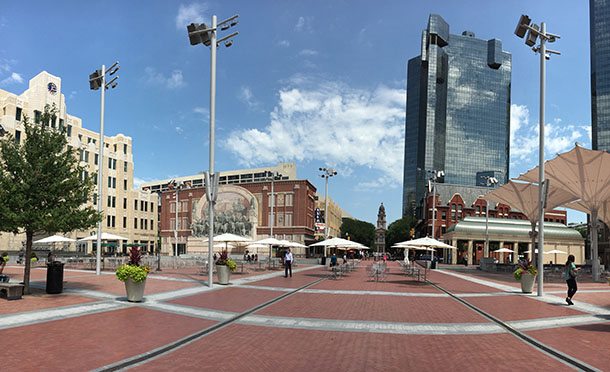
{"points": [[242, 209]]}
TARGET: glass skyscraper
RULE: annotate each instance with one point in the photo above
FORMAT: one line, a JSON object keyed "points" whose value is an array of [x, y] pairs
{"points": [[458, 111], [600, 73]]}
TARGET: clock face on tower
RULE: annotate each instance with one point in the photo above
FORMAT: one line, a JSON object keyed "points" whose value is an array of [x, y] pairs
{"points": [[52, 88]]}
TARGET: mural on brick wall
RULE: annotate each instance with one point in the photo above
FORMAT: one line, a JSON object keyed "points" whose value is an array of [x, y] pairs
{"points": [[236, 212]]}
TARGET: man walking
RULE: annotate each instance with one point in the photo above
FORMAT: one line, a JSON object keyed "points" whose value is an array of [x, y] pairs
{"points": [[287, 263]]}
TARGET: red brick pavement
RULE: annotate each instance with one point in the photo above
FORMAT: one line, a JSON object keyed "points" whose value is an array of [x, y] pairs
{"points": [[250, 348], [374, 308], [110, 284], [589, 343], [297, 280], [92, 341], [229, 299], [458, 285], [600, 299], [39, 300], [518, 307]]}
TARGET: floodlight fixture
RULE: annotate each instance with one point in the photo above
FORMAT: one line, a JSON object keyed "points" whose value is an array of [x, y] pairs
{"points": [[228, 43], [199, 34], [225, 27], [95, 80], [521, 29], [532, 35]]}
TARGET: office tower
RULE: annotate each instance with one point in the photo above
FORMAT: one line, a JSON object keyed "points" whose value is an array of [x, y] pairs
{"points": [[458, 111]]}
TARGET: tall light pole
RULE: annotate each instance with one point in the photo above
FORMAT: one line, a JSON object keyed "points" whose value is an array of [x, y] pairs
{"points": [[272, 176], [490, 182], [434, 176], [326, 174], [202, 34], [97, 80], [533, 34]]}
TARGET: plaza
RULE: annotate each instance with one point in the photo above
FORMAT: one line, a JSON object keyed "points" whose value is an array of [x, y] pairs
{"points": [[458, 319]]}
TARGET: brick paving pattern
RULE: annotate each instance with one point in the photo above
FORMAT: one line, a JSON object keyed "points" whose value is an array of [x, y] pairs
{"points": [[349, 324]]}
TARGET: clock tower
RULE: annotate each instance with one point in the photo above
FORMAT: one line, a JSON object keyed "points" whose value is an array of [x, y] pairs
{"points": [[381, 230]]}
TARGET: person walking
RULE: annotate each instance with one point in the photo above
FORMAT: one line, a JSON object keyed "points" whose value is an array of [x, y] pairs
{"points": [[569, 274], [288, 263]]}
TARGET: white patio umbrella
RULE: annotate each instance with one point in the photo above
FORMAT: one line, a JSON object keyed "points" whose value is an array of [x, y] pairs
{"points": [[555, 252], [230, 238], [503, 250], [429, 243], [105, 236], [336, 243], [270, 242], [54, 239]]}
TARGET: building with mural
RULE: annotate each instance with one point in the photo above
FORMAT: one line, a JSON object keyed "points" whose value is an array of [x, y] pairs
{"points": [[241, 209]]}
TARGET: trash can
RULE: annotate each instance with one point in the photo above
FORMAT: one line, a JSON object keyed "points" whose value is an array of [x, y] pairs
{"points": [[433, 264], [323, 261], [55, 277]]}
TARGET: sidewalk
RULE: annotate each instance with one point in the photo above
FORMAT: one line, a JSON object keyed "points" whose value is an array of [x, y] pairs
{"points": [[346, 324]]}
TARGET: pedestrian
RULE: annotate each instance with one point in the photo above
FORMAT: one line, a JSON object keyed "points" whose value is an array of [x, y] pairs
{"points": [[569, 274], [288, 263], [333, 260], [215, 257], [344, 258]]}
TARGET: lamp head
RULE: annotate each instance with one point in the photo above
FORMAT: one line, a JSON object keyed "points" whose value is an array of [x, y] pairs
{"points": [[521, 29], [532, 35]]}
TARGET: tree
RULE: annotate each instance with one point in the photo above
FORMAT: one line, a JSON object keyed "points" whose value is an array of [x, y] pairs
{"points": [[42, 186], [400, 230], [359, 231]]}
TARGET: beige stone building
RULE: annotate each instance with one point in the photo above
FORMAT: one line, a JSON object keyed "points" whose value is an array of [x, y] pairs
{"points": [[127, 212], [334, 217]]}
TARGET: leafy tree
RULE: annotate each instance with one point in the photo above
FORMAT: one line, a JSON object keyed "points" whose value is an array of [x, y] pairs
{"points": [[42, 186], [399, 231], [359, 231]]}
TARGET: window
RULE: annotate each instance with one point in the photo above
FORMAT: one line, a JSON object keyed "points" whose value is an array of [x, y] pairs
{"points": [[172, 207], [124, 222], [135, 223], [184, 223], [143, 206], [124, 203], [124, 166], [184, 206], [125, 184], [37, 116], [152, 206], [114, 182], [289, 200], [96, 159], [145, 227], [18, 136], [288, 219], [86, 156], [69, 132], [141, 223], [279, 219], [18, 114], [61, 125], [111, 163], [107, 221], [113, 221], [124, 148], [135, 205], [280, 200], [151, 224], [94, 199]]}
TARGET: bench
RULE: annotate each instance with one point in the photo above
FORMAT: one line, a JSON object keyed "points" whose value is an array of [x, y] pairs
{"points": [[13, 291]]}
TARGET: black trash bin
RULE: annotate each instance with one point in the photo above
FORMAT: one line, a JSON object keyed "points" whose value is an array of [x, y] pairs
{"points": [[55, 277], [323, 261], [433, 264]]}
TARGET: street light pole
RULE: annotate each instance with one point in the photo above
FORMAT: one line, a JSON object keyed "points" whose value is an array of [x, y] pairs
{"points": [[533, 33], [489, 181], [97, 80], [201, 34], [326, 174]]}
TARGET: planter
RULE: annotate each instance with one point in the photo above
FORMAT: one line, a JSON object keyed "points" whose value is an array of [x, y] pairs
{"points": [[224, 274], [527, 282], [135, 291]]}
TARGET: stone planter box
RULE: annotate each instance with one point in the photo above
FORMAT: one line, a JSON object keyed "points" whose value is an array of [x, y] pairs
{"points": [[135, 291], [527, 282], [224, 274]]}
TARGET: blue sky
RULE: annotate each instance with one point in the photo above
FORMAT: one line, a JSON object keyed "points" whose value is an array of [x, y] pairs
{"points": [[319, 83]]}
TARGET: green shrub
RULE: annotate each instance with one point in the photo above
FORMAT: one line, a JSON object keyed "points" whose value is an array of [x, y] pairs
{"points": [[137, 273]]}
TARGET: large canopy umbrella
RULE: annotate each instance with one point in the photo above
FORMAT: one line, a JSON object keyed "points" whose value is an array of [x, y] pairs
{"points": [[105, 236], [524, 196], [585, 174], [555, 252]]}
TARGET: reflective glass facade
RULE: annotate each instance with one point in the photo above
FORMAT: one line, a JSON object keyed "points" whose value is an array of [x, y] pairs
{"points": [[458, 111], [600, 73]]}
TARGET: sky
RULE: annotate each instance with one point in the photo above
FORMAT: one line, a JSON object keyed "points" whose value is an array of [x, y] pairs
{"points": [[318, 83]]}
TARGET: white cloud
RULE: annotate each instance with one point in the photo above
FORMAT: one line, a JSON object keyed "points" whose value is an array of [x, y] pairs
{"points": [[308, 52], [137, 182], [202, 111], [191, 13], [72, 94], [283, 43], [179, 130], [174, 81], [12, 78], [304, 24], [330, 122], [245, 95], [524, 137]]}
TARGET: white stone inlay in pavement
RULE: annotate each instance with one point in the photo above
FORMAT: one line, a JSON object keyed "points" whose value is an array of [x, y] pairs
{"points": [[21, 319], [535, 324]]}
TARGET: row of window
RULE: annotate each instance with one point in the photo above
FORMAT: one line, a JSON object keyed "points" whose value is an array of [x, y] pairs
{"points": [[111, 203], [84, 156], [94, 141], [144, 223]]}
